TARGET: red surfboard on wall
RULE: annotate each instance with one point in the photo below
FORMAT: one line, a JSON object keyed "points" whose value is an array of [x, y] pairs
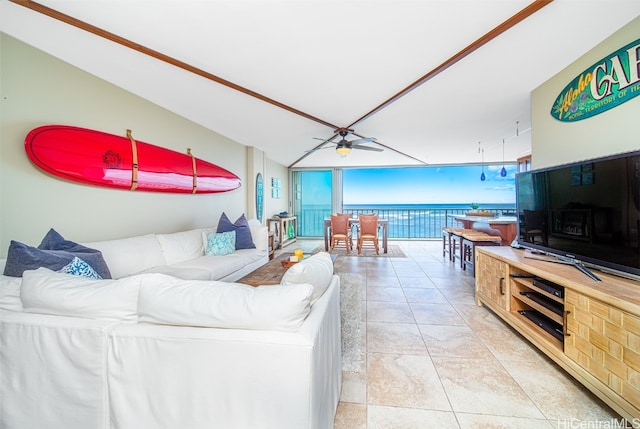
{"points": [[101, 159]]}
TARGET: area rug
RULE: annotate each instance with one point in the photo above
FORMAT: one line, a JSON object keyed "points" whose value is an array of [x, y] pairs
{"points": [[394, 251], [351, 286]]}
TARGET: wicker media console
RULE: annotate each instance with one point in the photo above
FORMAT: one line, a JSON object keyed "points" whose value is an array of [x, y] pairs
{"points": [[589, 328]]}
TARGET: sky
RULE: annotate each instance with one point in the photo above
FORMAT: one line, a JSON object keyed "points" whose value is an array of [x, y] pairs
{"points": [[429, 185], [414, 185]]}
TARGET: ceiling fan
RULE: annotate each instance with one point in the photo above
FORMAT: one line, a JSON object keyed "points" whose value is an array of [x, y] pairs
{"points": [[344, 146]]}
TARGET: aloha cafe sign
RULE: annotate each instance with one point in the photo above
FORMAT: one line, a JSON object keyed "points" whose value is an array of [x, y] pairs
{"points": [[608, 83]]}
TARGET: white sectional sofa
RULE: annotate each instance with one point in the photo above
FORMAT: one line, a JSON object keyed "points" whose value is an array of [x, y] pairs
{"points": [[154, 351], [181, 255]]}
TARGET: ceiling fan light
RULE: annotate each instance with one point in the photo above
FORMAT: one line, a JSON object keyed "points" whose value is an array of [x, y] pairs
{"points": [[343, 151]]}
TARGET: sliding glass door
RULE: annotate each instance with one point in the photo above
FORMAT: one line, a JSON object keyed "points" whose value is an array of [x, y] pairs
{"points": [[314, 200]]}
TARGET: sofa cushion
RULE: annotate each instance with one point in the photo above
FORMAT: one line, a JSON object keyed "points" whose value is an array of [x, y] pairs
{"points": [[10, 293], [221, 243], [242, 229], [315, 270], [47, 292], [78, 267], [168, 300], [54, 252], [217, 267], [127, 256], [181, 272], [181, 246]]}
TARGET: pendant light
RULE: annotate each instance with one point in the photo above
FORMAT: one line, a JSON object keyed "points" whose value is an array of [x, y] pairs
{"points": [[503, 172], [482, 176]]}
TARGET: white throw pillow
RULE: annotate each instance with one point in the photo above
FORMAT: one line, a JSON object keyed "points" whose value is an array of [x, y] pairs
{"points": [[317, 270], [48, 292], [127, 256], [259, 234], [181, 246], [10, 293], [172, 301]]}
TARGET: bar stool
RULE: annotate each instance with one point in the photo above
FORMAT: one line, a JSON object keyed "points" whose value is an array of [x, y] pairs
{"points": [[455, 246], [469, 243], [446, 242]]}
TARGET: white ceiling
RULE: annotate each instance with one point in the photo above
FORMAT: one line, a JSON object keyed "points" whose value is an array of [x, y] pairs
{"points": [[335, 61]]}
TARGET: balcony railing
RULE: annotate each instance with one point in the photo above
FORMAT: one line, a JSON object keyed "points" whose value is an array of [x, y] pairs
{"points": [[412, 223]]}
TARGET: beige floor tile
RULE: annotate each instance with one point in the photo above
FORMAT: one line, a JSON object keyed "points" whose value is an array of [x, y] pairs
{"points": [[480, 421], [405, 264], [350, 416], [386, 294], [423, 295], [382, 281], [459, 296], [454, 280], [354, 387], [381, 272], [443, 274], [399, 380], [453, 341], [496, 335], [379, 417], [409, 274], [436, 314], [396, 312], [417, 376], [483, 386], [556, 393], [479, 316], [394, 338], [416, 282]]}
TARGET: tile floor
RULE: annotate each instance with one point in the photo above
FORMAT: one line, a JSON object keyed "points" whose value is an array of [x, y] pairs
{"points": [[434, 359]]}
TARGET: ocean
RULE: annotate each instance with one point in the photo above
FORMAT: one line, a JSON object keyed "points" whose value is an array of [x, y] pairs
{"points": [[406, 221]]}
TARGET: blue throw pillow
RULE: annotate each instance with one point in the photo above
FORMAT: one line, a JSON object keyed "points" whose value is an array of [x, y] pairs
{"points": [[78, 267], [221, 243], [53, 253], [242, 229]]}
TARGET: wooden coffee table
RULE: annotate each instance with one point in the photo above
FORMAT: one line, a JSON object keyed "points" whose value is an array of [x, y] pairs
{"points": [[270, 273]]}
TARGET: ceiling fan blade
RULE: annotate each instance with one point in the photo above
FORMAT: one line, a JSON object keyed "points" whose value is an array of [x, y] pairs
{"points": [[373, 149], [324, 140], [362, 140], [319, 148]]}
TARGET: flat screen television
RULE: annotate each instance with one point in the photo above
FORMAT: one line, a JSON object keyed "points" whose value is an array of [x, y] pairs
{"points": [[586, 213]]}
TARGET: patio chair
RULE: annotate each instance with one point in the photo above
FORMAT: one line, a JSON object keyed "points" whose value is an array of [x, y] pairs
{"points": [[368, 231], [341, 232]]}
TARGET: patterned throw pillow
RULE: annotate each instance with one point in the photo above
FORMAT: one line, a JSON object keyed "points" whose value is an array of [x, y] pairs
{"points": [[221, 243], [78, 267]]}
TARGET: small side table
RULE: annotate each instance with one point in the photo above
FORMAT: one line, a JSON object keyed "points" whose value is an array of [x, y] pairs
{"points": [[282, 228]]}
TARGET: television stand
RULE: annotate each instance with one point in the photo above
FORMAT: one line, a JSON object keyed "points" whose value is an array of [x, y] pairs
{"points": [[567, 261], [589, 328]]}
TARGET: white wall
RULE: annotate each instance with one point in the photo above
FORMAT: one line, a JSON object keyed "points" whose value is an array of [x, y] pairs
{"points": [[38, 89], [274, 206], [614, 131]]}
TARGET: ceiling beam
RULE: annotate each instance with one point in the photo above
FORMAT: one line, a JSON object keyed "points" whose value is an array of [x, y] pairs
{"points": [[504, 26], [52, 13], [515, 19], [512, 21]]}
